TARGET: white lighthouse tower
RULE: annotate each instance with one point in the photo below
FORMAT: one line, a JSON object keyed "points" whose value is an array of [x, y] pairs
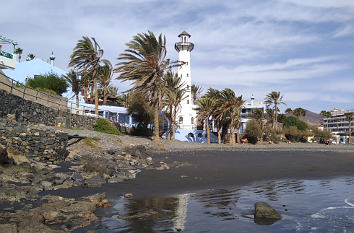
{"points": [[186, 117]]}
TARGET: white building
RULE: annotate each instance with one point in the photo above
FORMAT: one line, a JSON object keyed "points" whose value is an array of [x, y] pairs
{"points": [[187, 115], [7, 59], [246, 109]]}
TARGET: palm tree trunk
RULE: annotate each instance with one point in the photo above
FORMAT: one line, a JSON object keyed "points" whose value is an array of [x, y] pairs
{"points": [[238, 135], [232, 135], [275, 115], [77, 103], [169, 133], [173, 123], [156, 123], [85, 93], [96, 96], [105, 94], [207, 130], [219, 133]]}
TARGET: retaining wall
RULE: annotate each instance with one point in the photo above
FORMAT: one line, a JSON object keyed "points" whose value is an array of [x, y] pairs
{"points": [[35, 141], [37, 107]]}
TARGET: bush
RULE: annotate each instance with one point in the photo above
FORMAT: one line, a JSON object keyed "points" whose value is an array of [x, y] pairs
{"points": [[104, 126], [50, 83], [293, 134], [141, 131], [321, 135], [253, 131], [294, 121]]}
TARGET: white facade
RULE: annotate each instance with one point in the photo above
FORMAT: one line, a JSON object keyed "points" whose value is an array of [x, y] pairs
{"points": [[186, 117], [7, 60]]}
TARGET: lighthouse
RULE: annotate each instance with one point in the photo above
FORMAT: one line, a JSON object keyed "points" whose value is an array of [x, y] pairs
{"points": [[186, 116]]}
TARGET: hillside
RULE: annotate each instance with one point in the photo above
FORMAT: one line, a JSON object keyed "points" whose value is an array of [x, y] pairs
{"points": [[311, 118]]}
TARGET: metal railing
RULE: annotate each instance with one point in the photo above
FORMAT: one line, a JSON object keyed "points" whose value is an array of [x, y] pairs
{"points": [[14, 85]]}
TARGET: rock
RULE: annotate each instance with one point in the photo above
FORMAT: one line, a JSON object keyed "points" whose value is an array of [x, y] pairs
{"points": [[77, 177], [128, 195], [11, 117], [16, 156], [4, 159], [104, 204], [8, 228], [46, 185], [264, 214]]}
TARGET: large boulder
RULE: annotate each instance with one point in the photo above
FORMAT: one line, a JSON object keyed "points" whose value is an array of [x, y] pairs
{"points": [[264, 214]]}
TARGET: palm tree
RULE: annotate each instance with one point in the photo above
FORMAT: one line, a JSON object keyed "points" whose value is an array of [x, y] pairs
{"points": [[349, 117], [217, 114], [174, 93], [206, 106], [86, 80], [232, 109], [144, 64], [19, 52], [104, 77], [196, 92], [74, 81], [288, 111], [299, 112], [30, 57], [86, 58], [274, 98], [325, 114]]}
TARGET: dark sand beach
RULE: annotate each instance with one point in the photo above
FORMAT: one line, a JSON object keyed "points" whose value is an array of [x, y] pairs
{"points": [[200, 170]]}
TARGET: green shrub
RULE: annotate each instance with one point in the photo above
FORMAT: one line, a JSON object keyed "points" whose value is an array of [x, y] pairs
{"points": [[47, 82], [293, 121], [104, 126], [275, 138], [293, 134], [253, 131], [89, 142], [141, 131]]}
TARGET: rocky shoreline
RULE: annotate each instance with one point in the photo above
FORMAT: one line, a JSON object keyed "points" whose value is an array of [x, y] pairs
{"points": [[91, 162]]}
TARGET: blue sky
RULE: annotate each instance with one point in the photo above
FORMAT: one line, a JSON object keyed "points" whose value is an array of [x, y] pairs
{"points": [[302, 48]]}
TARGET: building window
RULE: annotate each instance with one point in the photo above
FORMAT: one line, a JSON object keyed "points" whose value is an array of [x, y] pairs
{"points": [[192, 120], [180, 120], [200, 135], [187, 75], [187, 101]]}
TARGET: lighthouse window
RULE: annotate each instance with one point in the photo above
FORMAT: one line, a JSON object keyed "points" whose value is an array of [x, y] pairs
{"points": [[187, 101], [180, 120], [192, 120], [187, 75]]}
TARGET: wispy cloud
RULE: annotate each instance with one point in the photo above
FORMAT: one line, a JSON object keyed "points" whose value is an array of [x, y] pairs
{"points": [[345, 31], [252, 46]]}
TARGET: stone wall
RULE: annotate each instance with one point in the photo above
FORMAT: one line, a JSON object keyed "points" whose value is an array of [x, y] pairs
{"points": [[32, 112], [55, 102], [36, 142]]}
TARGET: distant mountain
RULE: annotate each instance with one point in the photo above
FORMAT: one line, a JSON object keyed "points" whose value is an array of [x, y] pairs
{"points": [[313, 119]]}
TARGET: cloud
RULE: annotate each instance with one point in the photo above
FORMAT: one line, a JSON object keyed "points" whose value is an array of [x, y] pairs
{"points": [[252, 46], [345, 31], [274, 73]]}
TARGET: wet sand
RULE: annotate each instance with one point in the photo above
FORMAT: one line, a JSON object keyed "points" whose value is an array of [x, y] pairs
{"points": [[202, 170]]}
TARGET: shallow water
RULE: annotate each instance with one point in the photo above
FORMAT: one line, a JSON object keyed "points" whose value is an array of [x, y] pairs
{"points": [[306, 206]]}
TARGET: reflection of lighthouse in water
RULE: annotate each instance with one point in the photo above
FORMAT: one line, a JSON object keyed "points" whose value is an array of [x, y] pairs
{"points": [[181, 212]]}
